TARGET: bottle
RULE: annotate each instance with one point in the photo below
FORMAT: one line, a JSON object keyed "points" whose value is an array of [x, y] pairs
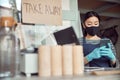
{"points": [[9, 48]]}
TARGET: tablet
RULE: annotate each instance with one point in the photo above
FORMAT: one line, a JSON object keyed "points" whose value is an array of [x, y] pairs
{"points": [[66, 36]]}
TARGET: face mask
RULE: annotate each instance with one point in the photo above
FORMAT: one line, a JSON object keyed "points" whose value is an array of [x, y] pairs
{"points": [[93, 30]]}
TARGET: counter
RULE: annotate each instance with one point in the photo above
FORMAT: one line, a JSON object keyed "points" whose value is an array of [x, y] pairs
{"points": [[84, 77]]}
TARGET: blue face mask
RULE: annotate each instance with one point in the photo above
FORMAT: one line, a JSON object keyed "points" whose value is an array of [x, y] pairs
{"points": [[93, 30]]}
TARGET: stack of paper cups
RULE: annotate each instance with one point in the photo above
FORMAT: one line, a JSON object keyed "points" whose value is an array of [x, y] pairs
{"points": [[78, 61], [44, 61], [67, 60], [56, 60]]}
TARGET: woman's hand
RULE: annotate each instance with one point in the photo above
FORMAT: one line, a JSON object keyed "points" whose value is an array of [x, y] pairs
{"points": [[95, 54], [107, 51]]}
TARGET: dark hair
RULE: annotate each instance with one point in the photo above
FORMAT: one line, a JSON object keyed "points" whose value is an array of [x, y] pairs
{"points": [[90, 14]]}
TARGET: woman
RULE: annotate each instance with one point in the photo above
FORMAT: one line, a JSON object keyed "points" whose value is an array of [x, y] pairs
{"points": [[95, 54]]}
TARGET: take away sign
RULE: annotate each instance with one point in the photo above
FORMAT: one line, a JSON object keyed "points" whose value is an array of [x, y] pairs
{"points": [[48, 12]]}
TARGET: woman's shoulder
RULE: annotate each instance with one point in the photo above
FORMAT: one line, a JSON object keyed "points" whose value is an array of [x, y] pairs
{"points": [[105, 39], [81, 40]]}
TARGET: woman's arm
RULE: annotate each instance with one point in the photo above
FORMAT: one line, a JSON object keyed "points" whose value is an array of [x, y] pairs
{"points": [[95, 54], [85, 60], [110, 52], [113, 62]]}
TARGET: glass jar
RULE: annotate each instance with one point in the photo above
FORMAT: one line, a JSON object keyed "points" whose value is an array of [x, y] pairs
{"points": [[9, 48]]}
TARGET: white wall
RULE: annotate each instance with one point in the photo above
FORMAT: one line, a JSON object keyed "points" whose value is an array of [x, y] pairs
{"points": [[5, 12], [65, 4]]}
